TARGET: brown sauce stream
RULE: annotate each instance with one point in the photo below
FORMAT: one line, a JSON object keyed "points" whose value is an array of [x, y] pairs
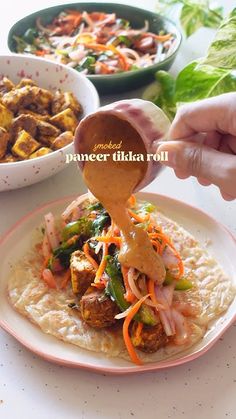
{"points": [[112, 183]]}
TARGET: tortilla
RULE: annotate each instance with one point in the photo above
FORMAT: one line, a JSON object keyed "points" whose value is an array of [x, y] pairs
{"points": [[211, 295]]}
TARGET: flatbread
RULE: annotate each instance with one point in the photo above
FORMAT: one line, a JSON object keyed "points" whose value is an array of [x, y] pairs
{"points": [[211, 294]]}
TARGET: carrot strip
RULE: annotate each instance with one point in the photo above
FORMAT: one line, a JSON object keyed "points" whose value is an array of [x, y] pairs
{"points": [[128, 343], [157, 245], [88, 256], [101, 47], [138, 330], [66, 278], [102, 265], [151, 290], [109, 239], [138, 217], [132, 201], [48, 277], [129, 296]]}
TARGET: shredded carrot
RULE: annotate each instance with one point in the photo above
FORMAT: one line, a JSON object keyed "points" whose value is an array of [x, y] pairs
{"points": [[151, 290], [48, 277], [157, 245], [100, 285], [88, 256], [101, 47], [163, 38], [132, 201], [128, 343], [138, 330], [102, 265], [137, 217], [66, 278], [129, 296], [109, 239], [72, 240]]}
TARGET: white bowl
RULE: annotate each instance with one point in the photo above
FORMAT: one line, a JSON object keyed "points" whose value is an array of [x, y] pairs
{"points": [[52, 76]]}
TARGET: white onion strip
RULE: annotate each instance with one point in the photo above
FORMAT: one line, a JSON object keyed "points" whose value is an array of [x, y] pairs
{"points": [[51, 230], [72, 206]]}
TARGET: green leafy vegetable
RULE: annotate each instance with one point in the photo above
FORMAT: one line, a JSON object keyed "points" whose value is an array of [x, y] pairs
{"points": [[30, 35], [194, 14], [100, 222], [115, 288], [210, 76], [82, 226], [198, 81]]}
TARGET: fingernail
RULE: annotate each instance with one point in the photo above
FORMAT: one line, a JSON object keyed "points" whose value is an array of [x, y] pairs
{"points": [[171, 150]]}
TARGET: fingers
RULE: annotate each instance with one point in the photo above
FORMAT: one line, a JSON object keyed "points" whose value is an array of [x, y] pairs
{"points": [[215, 114], [205, 163]]}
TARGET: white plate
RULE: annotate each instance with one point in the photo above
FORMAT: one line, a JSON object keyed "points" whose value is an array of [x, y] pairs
{"points": [[17, 241]]}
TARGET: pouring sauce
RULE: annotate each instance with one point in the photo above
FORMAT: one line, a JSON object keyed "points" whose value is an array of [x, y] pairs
{"points": [[112, 183]]}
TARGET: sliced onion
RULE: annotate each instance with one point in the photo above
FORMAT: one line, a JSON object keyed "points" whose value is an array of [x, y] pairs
{"points": [[166, 323], [77, 55], [51, 230], [132, 277], [123, 314], [128, 52], [181, 327], [98, 247], [109, 19], [168, 292], [46, 248], [41, 27], [72, 206], [169, 259], [88, 20]]}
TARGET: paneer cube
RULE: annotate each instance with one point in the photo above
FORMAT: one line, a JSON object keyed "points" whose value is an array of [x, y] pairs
{"points": [[40, 152], [72, 103], [4, 138], [8, 158], [18, 98], [43, 97], [24, 145], [6, 117], [36, 115], [82, 272], [26, 82], [6, 85], [62, 140], [65, 120], [45, 128]]}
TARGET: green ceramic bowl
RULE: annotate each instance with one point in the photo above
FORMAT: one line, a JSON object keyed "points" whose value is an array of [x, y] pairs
{"points": [[118, 82]]}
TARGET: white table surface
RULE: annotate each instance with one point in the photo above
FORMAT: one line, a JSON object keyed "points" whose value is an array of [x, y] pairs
{"points": [[31, 387]]}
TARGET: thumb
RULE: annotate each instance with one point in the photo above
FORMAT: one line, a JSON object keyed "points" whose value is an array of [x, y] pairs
{"points": [[197, 160]]}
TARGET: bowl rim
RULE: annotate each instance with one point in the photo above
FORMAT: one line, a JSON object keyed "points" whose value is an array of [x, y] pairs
{"points": [[96, 77], [85, 80]]}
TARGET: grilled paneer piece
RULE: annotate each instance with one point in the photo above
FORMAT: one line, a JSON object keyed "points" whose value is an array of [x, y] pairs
{"points": [[6, 117], [62, 140], [24, 145], [18, 98], [26, 82], [82, 272], [45, 128], [97, 309], [9, 158], [4, 138], [43, 98], [23, 122], [65, 120], [36, 115], [6, 85], [40, 152], [150, 339], [64, 100]]}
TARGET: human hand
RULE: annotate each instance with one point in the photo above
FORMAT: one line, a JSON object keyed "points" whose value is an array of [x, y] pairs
{"points": [[203, 143]]}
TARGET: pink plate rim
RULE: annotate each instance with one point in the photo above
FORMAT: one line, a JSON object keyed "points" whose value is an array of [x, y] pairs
{"points": [[114, 370]]}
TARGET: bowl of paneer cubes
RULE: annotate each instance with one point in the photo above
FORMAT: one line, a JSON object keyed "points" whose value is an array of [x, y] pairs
{"points": [[41, 104]]}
